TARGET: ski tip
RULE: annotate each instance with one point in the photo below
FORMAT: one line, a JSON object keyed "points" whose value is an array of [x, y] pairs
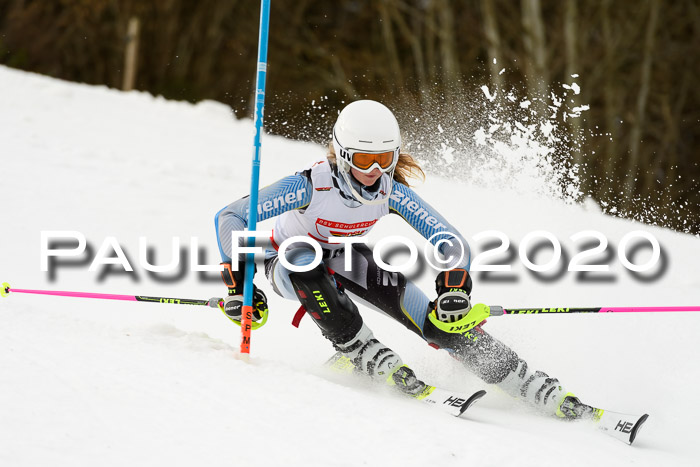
{"points": [[637, 427], [474, 397], [5, 290]]}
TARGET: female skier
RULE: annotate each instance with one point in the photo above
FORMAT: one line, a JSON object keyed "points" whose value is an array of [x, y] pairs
{"points": [[363, 179]]}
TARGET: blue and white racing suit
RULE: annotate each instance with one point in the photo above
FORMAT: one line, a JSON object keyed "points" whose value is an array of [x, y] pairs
{"points": [[315, 203], [312, 204]]}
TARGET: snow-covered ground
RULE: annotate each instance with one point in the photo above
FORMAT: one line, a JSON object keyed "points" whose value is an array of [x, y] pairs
{"points": [[88, 382]]}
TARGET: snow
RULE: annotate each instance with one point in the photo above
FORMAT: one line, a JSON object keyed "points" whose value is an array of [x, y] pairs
{"points": [[574, 87], [86, 382]]}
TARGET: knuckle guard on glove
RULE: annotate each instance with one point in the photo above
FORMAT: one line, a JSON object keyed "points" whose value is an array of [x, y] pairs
{"points": [[233, 307]]}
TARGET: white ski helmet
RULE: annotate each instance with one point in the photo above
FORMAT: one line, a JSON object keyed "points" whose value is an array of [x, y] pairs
{"points": [[366, 136]]}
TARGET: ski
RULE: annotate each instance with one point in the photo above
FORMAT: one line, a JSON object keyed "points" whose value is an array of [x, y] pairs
{"points": [[621, 426], [443, 399], [449, 401]]}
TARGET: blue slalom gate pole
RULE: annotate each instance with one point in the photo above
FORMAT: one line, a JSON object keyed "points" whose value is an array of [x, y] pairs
{"points": [[247, 318]]}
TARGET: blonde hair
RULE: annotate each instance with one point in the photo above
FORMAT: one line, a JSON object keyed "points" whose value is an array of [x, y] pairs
{"points": [[406, 167]]}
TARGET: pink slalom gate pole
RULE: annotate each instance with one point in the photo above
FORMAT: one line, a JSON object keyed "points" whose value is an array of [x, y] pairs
{"points": [[212, 302], [498, 311]]}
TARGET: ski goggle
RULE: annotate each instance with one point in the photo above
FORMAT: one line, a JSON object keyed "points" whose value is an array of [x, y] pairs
{"points": [[366, 161]]}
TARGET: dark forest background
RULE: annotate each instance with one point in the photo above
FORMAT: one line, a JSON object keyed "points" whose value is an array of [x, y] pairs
{"points": [[638, 64]]}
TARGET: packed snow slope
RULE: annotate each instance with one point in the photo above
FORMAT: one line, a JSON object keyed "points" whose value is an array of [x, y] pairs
{"points": [[92, 382]]}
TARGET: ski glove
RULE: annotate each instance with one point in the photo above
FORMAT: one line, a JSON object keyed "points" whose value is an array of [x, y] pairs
{"points": [[452, 311], [232, 305], [453, 288]]}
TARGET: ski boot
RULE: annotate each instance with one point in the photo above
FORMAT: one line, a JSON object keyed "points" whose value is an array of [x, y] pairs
{"points": [[367, 355], [542, 392]]}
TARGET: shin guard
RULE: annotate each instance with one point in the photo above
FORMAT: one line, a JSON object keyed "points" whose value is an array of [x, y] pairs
{"points": [[332, 310]]}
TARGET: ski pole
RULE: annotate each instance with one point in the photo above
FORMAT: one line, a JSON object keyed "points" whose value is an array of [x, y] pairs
{"points": [[247, 311], [499, 311], [213, 302]]}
